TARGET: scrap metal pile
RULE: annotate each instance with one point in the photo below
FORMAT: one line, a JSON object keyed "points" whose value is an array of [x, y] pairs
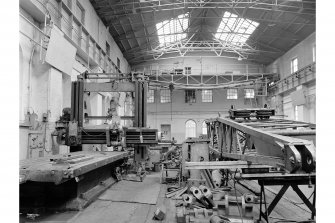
{"points": [[202, 204], [202, 195]]}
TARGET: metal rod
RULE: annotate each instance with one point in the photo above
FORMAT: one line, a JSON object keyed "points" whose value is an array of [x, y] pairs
{"points": [[38, 29], [109, 117], [31, 39], [294, 133]]}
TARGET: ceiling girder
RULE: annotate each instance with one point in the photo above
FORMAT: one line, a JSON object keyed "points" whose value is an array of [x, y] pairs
{"points": [[278, 5], [123, 13]]}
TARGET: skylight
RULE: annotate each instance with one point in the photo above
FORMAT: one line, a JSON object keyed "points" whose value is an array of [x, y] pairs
{"points": [[235, 30], [173, 30]]}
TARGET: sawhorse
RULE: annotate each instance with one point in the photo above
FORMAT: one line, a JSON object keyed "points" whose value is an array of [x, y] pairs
{"points": [[286, 181]]}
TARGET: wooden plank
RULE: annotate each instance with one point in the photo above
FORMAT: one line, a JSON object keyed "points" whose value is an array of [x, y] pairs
{"points": [[222, 165]]}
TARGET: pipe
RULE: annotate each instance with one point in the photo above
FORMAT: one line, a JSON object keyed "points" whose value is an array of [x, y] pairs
{"points": [[29, 74], [206, 191], [38, 29], [54, 144], [196, 192], [189, 199], [217, 177]]}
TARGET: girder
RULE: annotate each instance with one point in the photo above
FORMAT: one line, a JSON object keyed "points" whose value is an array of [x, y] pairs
{"points": [[260, 146]]}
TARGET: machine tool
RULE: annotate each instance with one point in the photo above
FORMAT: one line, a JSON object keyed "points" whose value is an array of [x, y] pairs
{"points": [[77, 176], [137, 136]]}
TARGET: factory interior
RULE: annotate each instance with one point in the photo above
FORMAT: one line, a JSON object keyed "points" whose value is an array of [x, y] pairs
{"points": [[173, 111]]}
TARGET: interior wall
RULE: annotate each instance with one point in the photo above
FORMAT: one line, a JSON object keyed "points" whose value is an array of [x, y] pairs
{"points": [[44, 90], [304, 52], [101, 34], [178, 112], [160, 113]]}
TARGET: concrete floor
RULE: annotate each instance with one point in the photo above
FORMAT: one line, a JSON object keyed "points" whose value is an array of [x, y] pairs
{"points": [[105, 211]]}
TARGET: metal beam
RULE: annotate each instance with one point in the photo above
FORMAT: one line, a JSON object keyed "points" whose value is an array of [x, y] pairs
{"points": [[142, 25], [190, 4], [214, 165], [290, 153], [109, 87]]}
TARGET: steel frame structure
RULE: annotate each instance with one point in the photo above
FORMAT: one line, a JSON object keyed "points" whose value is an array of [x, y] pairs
{"points": [[257, 144], [216, 46], [133, 21], [265, 142], [138, 135], [304, 75], [285, 181], [124, 7], [259, 84]]}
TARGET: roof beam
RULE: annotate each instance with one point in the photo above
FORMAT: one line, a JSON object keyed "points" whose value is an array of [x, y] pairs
{"points": [[145, 30], [285, 29], [256, 19], [205, 31], [302, 26], [189, 4]]}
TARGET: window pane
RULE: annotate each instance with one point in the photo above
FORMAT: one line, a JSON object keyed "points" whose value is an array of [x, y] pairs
{"points": [[294, 65], [151, 96], [187, 70], [207, 96], [232, 94], [190, 128], [249, 93], [165, 96], [296, 113], [172, 26], [80, 12], [190, 96], [238, 29], [204, 128]]}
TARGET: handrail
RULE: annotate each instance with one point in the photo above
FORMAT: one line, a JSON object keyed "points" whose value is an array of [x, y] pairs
{"points": [[310, 66]]}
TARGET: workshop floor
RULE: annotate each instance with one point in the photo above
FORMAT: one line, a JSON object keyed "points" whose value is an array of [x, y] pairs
{"points": [[103, 210], [106, 211]]}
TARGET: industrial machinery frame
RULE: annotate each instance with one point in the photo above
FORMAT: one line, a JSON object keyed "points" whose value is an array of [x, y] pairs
{"points": [[256, 145], [267, 142], [137, 136], [79, 176]]}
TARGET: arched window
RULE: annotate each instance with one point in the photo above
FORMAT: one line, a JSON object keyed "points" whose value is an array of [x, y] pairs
{"points": [[204, 128], [190, 128]]}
